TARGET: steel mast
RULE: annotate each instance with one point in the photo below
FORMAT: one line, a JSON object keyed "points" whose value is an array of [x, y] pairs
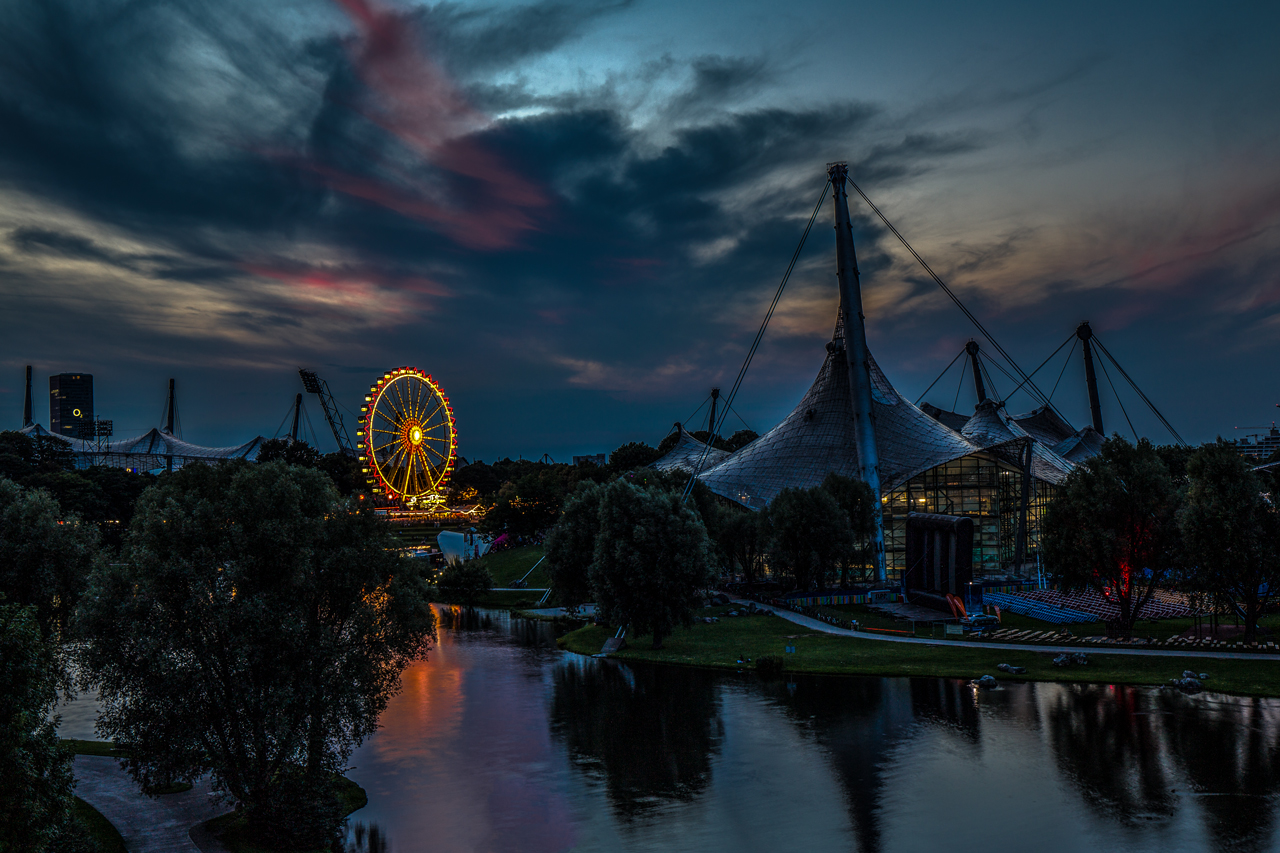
{"points": [[1085, 334], [859, 363]]}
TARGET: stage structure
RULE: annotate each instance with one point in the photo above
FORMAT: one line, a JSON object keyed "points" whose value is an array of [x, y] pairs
{"points": [[852, 421], [407, 443]]}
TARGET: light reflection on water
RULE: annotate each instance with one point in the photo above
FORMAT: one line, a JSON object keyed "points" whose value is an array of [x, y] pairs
{"points": [[502, 743]]}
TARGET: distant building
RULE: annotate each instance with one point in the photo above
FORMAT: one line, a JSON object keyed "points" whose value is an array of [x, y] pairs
{"points": [[600, 459], [1259, 447], [70, 402]]}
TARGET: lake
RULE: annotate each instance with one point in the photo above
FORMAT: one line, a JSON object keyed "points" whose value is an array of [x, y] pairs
{"points": [[500, 742]]}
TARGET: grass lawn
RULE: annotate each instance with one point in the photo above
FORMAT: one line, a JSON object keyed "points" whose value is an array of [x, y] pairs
{"points": [[100, 829], [231, 830], [512, 564], [720, 645], [93, 747]]}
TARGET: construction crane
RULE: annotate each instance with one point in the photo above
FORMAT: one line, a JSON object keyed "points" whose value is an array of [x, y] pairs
{"points": [[313, 384]]}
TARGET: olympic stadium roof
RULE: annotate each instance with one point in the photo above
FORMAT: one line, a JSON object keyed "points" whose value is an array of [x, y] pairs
{"points": [[153, 449], [818, 438], [685, 455], [991, 426], [1082, 445]]}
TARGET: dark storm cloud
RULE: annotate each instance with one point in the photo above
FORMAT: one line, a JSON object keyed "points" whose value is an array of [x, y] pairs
{"points": [[340, 190]]}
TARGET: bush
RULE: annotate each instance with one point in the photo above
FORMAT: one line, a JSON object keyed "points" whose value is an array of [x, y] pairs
{"points": [[464, 583], [770, 666]]}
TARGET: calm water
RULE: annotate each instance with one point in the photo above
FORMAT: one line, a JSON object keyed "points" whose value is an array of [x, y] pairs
{"points": [[502, 743]]}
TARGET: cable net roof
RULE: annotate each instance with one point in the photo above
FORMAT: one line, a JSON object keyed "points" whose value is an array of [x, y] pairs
{"points": [[1043, 424], [685, 455], [818, 438], [991, 427], [154, 443], [1084, 444]]}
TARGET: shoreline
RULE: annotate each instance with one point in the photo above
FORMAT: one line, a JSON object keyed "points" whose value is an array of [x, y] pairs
{"points": [[723, 645]]}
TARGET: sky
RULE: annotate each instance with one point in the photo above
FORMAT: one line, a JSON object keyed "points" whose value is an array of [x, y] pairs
{"points": [[575, 215]]}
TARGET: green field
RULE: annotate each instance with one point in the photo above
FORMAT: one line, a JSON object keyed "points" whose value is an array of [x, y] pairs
{"points": [[512, 564], [723, 644]]}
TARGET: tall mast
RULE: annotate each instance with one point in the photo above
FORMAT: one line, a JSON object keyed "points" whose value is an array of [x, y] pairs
{"points": [[972, 349], [26, 402], [711, 429], [1085, 334], [297, 410], [168, 421], [855, 349]]}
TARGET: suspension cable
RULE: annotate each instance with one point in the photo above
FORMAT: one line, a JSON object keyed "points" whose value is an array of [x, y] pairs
{"points": [[947, 290], [755, 344], [940, 375], [1145, 399], [1062, 372], [1116, 394], [1071, 337]]}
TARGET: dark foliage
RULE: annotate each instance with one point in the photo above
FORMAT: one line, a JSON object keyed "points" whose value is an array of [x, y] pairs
{"points": [[1113, 527], [35, 770], [464, 582], [256, 629], [809, 535], [1230, 532], [652, 559], [570, 545], [45, 555]]}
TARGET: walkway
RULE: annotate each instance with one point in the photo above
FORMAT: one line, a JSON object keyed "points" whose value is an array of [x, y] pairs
{"points": [[818, 625], [148, 824]]}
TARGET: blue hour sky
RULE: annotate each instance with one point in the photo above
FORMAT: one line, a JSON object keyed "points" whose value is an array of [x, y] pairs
{"points": [[575, 215]]}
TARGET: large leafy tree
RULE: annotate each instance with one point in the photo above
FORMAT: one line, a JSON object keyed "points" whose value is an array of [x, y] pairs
{"points": [[1230, 532], [1113, 527], [255, 629], [571, 543], [35, 771], [859, 503], [742, 537], [809, 535], [45, 555], [651, 560], [464, 582], [633, 454]]}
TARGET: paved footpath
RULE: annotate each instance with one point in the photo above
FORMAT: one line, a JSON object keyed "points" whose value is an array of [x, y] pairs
{"points": [[818, 625], [148, 824]]}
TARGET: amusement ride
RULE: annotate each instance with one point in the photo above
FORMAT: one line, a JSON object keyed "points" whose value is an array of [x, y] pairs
{"points": [[407, 442]]}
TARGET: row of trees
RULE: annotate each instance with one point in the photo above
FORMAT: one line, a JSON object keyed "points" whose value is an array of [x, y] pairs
{"points": [[1125, 524], [253, 626], [526, 497], [643, 554]]}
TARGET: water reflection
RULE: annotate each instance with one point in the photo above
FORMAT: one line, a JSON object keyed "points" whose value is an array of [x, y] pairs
{"points": [[501, 742], [648, 732]]}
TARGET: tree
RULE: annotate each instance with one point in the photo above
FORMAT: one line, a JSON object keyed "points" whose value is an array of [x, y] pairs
{"points": [[529, 505], [344, 471], [859, 503], [22, 454], [651, 560], [289, 451], [1113, 527], [464, 582], [739, 440], [36, 808], [571, 543], [742, 537], [45, 555], [633, 454], [255, 629], [1230, 532], [808, 534]]}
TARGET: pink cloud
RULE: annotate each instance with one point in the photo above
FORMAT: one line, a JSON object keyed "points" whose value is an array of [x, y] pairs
{"points": [[414, 100]]}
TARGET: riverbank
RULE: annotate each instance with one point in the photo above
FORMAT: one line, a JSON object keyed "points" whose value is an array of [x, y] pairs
{"points": [[739, 643]]}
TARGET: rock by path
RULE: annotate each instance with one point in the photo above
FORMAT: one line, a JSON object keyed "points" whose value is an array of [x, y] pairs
{"points": [[148, 824]]}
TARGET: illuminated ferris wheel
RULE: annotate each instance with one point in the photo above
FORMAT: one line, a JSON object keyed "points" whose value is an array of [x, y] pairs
{"points": [[408, 441]]}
